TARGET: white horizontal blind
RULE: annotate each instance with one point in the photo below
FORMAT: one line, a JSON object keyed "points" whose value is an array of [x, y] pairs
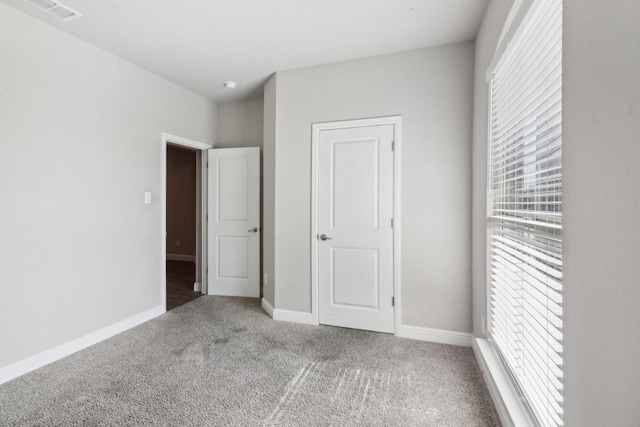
{"points": [[525, 210]]}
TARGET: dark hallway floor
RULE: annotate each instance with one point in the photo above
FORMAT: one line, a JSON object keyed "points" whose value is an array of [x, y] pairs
{"points": [[180, 278]]}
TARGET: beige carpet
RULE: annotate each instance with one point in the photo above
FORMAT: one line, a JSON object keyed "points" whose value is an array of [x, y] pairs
{"points": [[220, 361]]}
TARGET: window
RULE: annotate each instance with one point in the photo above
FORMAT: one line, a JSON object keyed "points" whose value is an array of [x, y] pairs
{"points": [[525, 209]]}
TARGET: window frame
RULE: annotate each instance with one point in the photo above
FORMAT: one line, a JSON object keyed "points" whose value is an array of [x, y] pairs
{"points": [[515, 20]]}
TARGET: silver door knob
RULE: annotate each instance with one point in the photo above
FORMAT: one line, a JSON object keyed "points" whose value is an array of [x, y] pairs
{"points": [[253, 230], [324, 237]]}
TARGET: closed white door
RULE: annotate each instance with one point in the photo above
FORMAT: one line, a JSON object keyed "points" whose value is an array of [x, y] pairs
{"points": [[355, 234], [234, 222]]}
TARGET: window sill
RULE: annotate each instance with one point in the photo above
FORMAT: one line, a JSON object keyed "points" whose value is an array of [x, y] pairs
{"points": [[506, 399]]}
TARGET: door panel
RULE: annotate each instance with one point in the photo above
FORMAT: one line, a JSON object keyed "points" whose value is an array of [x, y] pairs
{"points": [[355, 195], [355, 208], [234, 221], [354, 282], [233, 187], [233, 257]]}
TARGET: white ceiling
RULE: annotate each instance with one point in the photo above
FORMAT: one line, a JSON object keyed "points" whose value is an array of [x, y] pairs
{"points": [[198, 44]]}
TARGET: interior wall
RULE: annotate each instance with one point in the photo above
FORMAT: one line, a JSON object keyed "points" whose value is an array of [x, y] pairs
{"points": [[81, 144], [240, 123], [601, 235], [432, 89], [601, 231], [269, 190], [181, 201]]}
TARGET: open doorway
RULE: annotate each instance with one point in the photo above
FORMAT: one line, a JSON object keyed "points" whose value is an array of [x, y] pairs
{"points": [[184, 230], [181, 196]]}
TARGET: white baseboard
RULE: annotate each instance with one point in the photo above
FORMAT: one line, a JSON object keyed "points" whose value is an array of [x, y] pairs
{"points": [[266, 306], [505, 397], [434, 335], [404, 331], [197, 287], [32, 363], [293, 316], [287, 315], [181, 257]]}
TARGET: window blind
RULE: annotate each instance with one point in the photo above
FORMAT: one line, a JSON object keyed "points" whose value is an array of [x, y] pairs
{"points": [[525, 210]]}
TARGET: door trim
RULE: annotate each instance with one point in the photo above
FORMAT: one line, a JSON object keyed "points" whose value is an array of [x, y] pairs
{"points": [[201, 209], [316, 128]]}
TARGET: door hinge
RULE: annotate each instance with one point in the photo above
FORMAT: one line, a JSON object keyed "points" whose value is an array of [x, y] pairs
{"points": [[391, 222], [393, 146], [207, 217], [393, 301]]}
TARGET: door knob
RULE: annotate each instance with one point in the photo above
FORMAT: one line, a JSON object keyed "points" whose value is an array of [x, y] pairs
{"points": [[253, 230], [324, 237]]}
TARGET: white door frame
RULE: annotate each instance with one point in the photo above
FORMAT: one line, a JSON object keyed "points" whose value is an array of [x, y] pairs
{"points": [[201, 209], [396, 121]]}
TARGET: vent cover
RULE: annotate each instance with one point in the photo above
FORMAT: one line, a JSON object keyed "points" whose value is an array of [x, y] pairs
{"points": [[56, 8]]}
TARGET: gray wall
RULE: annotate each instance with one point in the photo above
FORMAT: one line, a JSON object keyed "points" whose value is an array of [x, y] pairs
{"points": [[433, 91], [240, 123], [269, 190], [601, 207], [81, 143], [601, 152]]}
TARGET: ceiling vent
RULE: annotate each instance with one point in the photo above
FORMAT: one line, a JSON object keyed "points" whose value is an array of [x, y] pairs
{"points": [[56, 8]]}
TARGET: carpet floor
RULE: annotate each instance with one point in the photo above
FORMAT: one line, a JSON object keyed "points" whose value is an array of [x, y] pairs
{"points": [[221, 361]]}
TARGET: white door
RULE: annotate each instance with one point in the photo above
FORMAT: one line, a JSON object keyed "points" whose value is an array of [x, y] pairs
{"points": [[355, 234], [234, 222]]}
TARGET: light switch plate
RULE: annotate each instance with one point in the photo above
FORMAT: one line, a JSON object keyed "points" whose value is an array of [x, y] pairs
{"points": [[147, 197]]}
